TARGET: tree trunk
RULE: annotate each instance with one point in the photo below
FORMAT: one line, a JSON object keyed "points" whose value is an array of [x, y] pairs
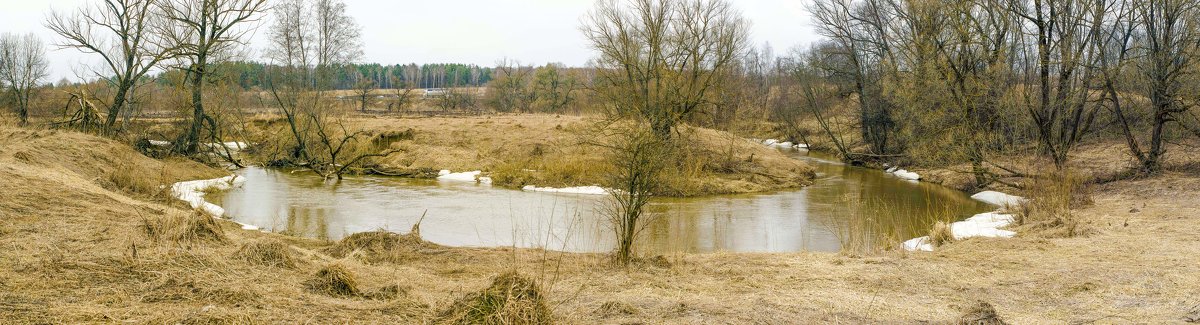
{"points": [[193, 137], [115, 108]]}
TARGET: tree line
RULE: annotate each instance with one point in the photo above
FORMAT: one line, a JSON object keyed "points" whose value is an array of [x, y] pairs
{"points": [[254, 75], [949, 81]]}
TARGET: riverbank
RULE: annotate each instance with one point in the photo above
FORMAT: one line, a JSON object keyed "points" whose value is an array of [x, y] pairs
{"points": [[544, 150], [74, 249]]}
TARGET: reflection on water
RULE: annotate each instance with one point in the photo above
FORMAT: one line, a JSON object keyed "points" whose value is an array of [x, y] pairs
{"points": [[463, 214]]}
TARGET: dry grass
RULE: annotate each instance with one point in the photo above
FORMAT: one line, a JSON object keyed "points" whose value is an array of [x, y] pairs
{"points": [[510, 299], [940, 234], [1052, 202], [380, 246], [266, 252], [982, 313], [553, 150], [187, 228], [73, 251], [333, 280]]}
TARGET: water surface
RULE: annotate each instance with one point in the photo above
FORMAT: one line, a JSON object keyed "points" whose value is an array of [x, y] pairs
{"points": [[820, 217]]}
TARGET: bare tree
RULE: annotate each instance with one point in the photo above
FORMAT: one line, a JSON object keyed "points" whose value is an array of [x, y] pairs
{"points": [[660, 59], [1169, 48], [364, 90], [200, 33], [121, 33], [405, 92], [22, 66]]}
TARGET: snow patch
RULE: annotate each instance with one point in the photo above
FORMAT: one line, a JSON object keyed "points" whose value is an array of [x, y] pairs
{"points": [[192, 192], [906, 175], [999, 199], [985, 224], [589, 190], [918, 244]]}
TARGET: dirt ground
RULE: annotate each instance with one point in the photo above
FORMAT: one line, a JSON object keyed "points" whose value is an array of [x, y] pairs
{"points": [[82, 243]]}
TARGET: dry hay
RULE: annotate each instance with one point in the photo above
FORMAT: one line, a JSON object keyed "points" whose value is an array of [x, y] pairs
{"points": [[940, 234], [194, 227], [615, 308], [333, 280], [379, 246], [510, 299], [982, 313], [266, 252]]}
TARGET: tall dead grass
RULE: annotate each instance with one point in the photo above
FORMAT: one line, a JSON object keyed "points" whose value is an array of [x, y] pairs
{"points": [[1048, 210], [866, 232], [186, 228]]}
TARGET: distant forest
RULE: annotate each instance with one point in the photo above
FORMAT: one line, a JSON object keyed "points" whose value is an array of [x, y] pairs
{"points": [[253, 75]]}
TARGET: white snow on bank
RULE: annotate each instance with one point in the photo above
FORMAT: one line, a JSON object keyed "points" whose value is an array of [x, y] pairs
{"points": [[589, 190], [918, 244], [997, 198], [907, 175], [192, 192], [986, 224], [471, 176], [776, 143], [233, 146]]}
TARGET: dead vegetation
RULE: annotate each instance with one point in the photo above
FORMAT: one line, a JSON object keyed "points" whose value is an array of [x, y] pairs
{"points": [[553, 150], [510, 299], [266, 252], [74, 250], [981, 313], [333, 280], [185, 228], [380, 246]]}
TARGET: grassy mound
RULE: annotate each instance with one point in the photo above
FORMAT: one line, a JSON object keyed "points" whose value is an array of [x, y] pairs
{"points": [[379, 246], [333, 280], [266, 252], [510, 299]]}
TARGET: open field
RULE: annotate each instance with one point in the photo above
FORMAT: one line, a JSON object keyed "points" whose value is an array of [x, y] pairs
{"points": [[80, 244]]}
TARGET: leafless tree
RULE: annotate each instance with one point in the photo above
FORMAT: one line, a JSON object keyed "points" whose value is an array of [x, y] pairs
{"points": [[364, 91], [121, 33], [1168, 51], [22, 66], [200, 34], [660, 59]]}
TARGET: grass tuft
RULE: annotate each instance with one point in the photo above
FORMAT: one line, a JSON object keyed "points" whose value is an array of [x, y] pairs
{"points": [[195, 227], [982, 313], [379, 246], [333, 280], [940, 234], [266, 252], [510, 299]]}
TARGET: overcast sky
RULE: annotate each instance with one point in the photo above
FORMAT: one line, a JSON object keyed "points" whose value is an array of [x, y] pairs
{"points": [[453, 31]]}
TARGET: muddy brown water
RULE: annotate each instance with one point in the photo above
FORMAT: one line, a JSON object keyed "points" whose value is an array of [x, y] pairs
{"points": [[845, 205]]}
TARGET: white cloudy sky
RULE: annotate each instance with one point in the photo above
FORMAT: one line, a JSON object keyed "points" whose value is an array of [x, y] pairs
{"points": [[459, 31]]}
